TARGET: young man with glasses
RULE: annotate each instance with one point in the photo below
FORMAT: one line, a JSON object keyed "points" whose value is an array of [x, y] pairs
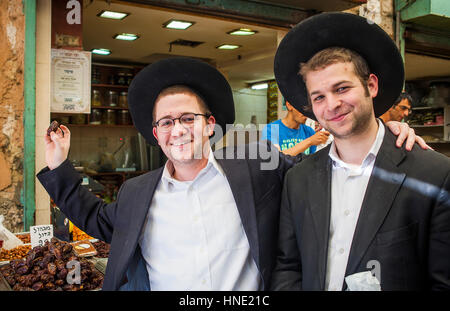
{"points": [[400, 110], [200, 222]]}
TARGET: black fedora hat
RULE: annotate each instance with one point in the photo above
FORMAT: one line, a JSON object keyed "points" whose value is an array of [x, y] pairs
{"points": [[338, 30], [201, 77]]}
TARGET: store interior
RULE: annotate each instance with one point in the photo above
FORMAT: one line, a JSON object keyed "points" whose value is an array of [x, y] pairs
{"points": [[104, 142]]}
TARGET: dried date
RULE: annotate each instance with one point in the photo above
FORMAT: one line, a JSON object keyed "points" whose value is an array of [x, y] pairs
{"points": [[54, 126]]}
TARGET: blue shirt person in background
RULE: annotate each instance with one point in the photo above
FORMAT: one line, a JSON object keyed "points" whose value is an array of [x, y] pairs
{"points": [[292, 136]]}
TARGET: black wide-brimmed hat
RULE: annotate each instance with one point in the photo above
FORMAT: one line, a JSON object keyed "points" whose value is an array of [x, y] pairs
{"points": [[201, 77], [338, 30]]}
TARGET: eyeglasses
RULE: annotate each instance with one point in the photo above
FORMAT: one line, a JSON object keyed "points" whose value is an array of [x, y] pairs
{"points": [[186, 119], [404, 108]]}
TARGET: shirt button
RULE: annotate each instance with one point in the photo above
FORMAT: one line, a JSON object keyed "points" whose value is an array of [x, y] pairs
{"points": [[347, 212], [341, 251]]}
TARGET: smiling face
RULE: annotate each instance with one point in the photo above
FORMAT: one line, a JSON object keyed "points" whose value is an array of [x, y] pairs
{"points": [[339, 100], [183, 144]]}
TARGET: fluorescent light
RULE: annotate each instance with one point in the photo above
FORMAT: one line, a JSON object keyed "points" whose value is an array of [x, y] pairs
{"points": [[113, 15], [228, 47], [126, 36], [177, 24], [242, 32], [101, 51], [259, 86]]}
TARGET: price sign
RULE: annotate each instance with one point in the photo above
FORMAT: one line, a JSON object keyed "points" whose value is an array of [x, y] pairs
{"points": [[40, 234]]}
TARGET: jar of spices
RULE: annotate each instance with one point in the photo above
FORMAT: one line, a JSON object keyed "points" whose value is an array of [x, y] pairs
{"points": [[123, 117], [109, 117], [129, 78], [121, 79], [96, 116], [123, 99], [96, 98], [64, 120], [96, 76], [79, 118], [113, 98], [112, 80]]}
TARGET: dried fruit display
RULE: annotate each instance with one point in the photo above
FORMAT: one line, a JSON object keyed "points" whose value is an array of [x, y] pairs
{"points": [[102, 249], [24, 237], [79, 235], [45, 268], [18, 252]]}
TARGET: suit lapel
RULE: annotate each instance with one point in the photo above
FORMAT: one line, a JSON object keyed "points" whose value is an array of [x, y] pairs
{"points": [[142, 202], [385, 181], [320, 206], [238, 175]]}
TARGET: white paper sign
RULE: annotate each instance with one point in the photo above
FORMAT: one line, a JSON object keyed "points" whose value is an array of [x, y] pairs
{"points": [[40, 234], [71, 81]]}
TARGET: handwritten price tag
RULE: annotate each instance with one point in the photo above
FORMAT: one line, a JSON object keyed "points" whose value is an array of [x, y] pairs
{"points": [[40, 234]]}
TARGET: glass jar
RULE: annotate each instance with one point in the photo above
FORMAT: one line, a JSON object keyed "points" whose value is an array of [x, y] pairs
{"points": [[96, 76], [96, 98], [79, 118], [113, 98], [123, 117], [112, 80], [64, 120], [129, 78], [109, 117], [123, 99], [96, 116], [121, 79]]}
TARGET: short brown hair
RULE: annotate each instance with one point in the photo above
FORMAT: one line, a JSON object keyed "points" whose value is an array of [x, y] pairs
{"points": [[333, 55], [182, 89]]}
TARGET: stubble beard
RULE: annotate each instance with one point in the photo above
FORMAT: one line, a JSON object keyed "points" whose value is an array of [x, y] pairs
{"points": [[360, 124]]}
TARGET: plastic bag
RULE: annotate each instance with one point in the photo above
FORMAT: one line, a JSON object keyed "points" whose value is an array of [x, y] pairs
{"points": [[10, 241]]}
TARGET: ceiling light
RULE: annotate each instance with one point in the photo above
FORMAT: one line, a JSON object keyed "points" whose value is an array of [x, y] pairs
{"points": [[113, 15], [259, 86], [177, 24], [242, 32], [126, 36], [228, 47], [101, 51]]}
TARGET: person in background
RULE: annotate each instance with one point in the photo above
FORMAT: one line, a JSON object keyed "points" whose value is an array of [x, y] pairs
{"points": [[400, 110], [292, 136]]}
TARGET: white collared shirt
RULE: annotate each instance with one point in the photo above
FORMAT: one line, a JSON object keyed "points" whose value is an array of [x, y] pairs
{"points": [[348, 187], [193, 238]]}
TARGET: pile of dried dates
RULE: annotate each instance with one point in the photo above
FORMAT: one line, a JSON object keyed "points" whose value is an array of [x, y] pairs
{"points": [[45, 268], [102, 249]]}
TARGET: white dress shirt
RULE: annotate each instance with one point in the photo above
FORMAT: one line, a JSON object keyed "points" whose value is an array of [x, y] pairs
{"points": [[193, 238], [348, 187]]}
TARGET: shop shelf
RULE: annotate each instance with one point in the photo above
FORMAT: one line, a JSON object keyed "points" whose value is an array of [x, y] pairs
{"points": [[439, 125], [109, 85]]}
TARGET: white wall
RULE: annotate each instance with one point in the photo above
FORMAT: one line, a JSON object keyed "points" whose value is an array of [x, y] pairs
{"points": [[250, 102]]}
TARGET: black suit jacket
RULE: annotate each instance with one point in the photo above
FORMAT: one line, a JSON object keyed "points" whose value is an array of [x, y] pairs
{"points": [[257, 194], [404, 222]]}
